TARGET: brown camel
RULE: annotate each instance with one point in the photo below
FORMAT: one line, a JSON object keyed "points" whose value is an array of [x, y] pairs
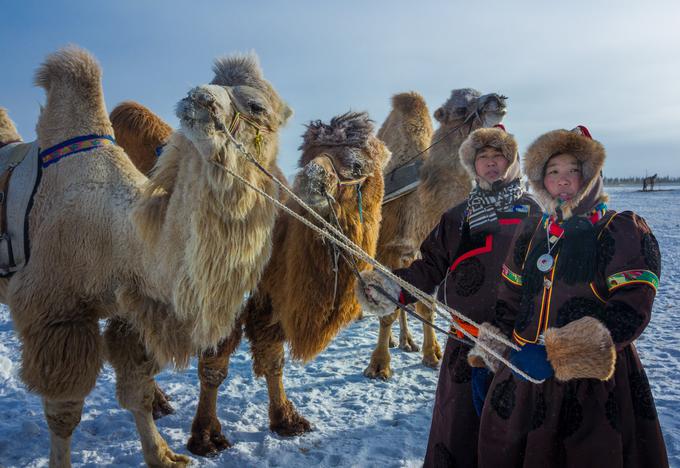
{"points": [[443, 183], [165, 258], [301, 300]]}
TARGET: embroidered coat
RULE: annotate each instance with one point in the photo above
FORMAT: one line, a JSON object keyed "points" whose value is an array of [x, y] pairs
{"points": [[581, 422], [467, 272]]}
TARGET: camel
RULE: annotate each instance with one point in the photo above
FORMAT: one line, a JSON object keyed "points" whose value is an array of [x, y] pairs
{"points": [[443, 183], [166, 259], [142, 134], [301, 300]]}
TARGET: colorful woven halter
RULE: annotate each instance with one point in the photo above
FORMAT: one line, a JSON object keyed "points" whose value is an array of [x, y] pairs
{"points": [[74, 145]]}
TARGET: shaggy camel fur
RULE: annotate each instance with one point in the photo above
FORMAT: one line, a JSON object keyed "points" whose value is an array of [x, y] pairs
{"points": [[166, 259], [143, 135], [300, 300], [444, 183]]}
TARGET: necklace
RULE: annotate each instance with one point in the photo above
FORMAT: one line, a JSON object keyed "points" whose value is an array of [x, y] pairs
{"points": [[546, 261]]}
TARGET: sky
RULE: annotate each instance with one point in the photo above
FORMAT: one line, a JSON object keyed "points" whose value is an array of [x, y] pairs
{"points": [[612, 66]]}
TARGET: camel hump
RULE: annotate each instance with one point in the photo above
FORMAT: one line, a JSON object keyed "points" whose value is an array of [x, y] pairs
{"points": [[409, 103], [8, 131], [130, 117], [140, 132], [70, 66]]}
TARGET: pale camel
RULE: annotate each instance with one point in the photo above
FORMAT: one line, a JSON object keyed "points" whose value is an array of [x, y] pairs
{"points": [[444, 183], [167, 259]]}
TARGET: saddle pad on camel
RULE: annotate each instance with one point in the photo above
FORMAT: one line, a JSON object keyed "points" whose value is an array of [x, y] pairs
{"points": [[401, 181], [19, 177]]}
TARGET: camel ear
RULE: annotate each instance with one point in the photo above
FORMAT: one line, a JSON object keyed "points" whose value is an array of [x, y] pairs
{"points": [[440, 114], [285, 113]]}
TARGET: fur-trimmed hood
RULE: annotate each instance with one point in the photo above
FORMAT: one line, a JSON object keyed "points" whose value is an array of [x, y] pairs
{"points": [[495, 137], [589, 152]]}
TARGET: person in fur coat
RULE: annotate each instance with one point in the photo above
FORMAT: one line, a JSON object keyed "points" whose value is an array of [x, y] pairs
{"points": [[577, 290], [463, 257]]}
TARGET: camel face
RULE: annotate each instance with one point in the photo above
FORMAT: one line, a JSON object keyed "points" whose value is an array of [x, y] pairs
{"points": [[468, 106], [203, 115], [337, 157], [210, 111], [333, 172]]}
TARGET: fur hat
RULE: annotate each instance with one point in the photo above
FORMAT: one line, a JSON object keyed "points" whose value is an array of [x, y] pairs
{"points": [[495, 137], [579, 143]]}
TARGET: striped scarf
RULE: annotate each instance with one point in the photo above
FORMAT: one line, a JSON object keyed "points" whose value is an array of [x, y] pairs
{"points": [[483, 205]]}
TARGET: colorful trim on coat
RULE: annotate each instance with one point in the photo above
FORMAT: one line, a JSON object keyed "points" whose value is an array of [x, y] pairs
{"points": [[74, 145], [625, 278], [511, 276], [556, 230]]}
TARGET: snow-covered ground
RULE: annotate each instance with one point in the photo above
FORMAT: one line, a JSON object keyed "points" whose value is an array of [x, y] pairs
{"points": [[358, 422]]}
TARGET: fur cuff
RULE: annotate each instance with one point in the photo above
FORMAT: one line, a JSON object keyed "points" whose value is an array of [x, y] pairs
{"points": [[582, 349], [478, 356], [370, 300]]}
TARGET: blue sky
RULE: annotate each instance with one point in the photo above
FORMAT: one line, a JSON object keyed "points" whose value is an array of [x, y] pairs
{"points": [[613, 66]]}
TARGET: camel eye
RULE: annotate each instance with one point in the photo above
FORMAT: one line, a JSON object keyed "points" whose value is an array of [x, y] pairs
{"points": [[256, 108], [357, 167]]}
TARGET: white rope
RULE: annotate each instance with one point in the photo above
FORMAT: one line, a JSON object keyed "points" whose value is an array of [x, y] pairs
{"points": [[338, 238], [345, 242]]}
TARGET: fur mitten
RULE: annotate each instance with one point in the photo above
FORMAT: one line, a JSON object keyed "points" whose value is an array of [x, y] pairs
{"points": [[582, 349], [370, 300], [479, 357]]}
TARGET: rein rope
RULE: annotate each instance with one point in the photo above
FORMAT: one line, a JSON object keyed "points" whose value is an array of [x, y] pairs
{"points": [[468, 120], [338, 238]]}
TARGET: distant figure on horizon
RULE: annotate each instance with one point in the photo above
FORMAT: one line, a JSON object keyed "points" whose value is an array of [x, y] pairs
{"points": [[648, 181]]}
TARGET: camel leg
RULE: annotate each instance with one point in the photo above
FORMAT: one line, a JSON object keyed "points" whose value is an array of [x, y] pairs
{"points": [[62, 355], [62, 419], [206, 431], [135, 391], [161, 406], [266, 344], [392, 342], [432, 353], [406, 341], [379, 366]]}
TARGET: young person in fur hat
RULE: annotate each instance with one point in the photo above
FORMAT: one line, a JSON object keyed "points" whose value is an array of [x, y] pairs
{"points": [[578, 287], [463, 256]]}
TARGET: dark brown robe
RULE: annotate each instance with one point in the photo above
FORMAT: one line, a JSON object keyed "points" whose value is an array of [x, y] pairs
{"points": [[467, 271], [582, 422]]}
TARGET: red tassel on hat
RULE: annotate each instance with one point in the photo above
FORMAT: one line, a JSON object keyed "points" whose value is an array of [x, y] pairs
{"points": [[502, 127], [582, 130]]}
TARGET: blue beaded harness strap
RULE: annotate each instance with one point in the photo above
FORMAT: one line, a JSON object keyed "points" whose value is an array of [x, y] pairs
{"points": [[73, 146]]}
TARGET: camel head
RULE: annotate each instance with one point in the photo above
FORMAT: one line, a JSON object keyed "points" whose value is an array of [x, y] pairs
{"points": [[468, 109], [238, 102], [338, 158]]}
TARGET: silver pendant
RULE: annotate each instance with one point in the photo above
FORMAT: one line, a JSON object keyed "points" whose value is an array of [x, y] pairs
{"points": [[545, 263]]}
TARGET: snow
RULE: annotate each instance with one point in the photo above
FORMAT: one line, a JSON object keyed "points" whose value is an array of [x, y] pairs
{"points": [[357, 421]]}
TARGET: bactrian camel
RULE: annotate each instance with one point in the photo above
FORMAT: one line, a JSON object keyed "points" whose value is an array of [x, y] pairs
{"points": [[444, 183], [167, 259], [301, 300]]}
